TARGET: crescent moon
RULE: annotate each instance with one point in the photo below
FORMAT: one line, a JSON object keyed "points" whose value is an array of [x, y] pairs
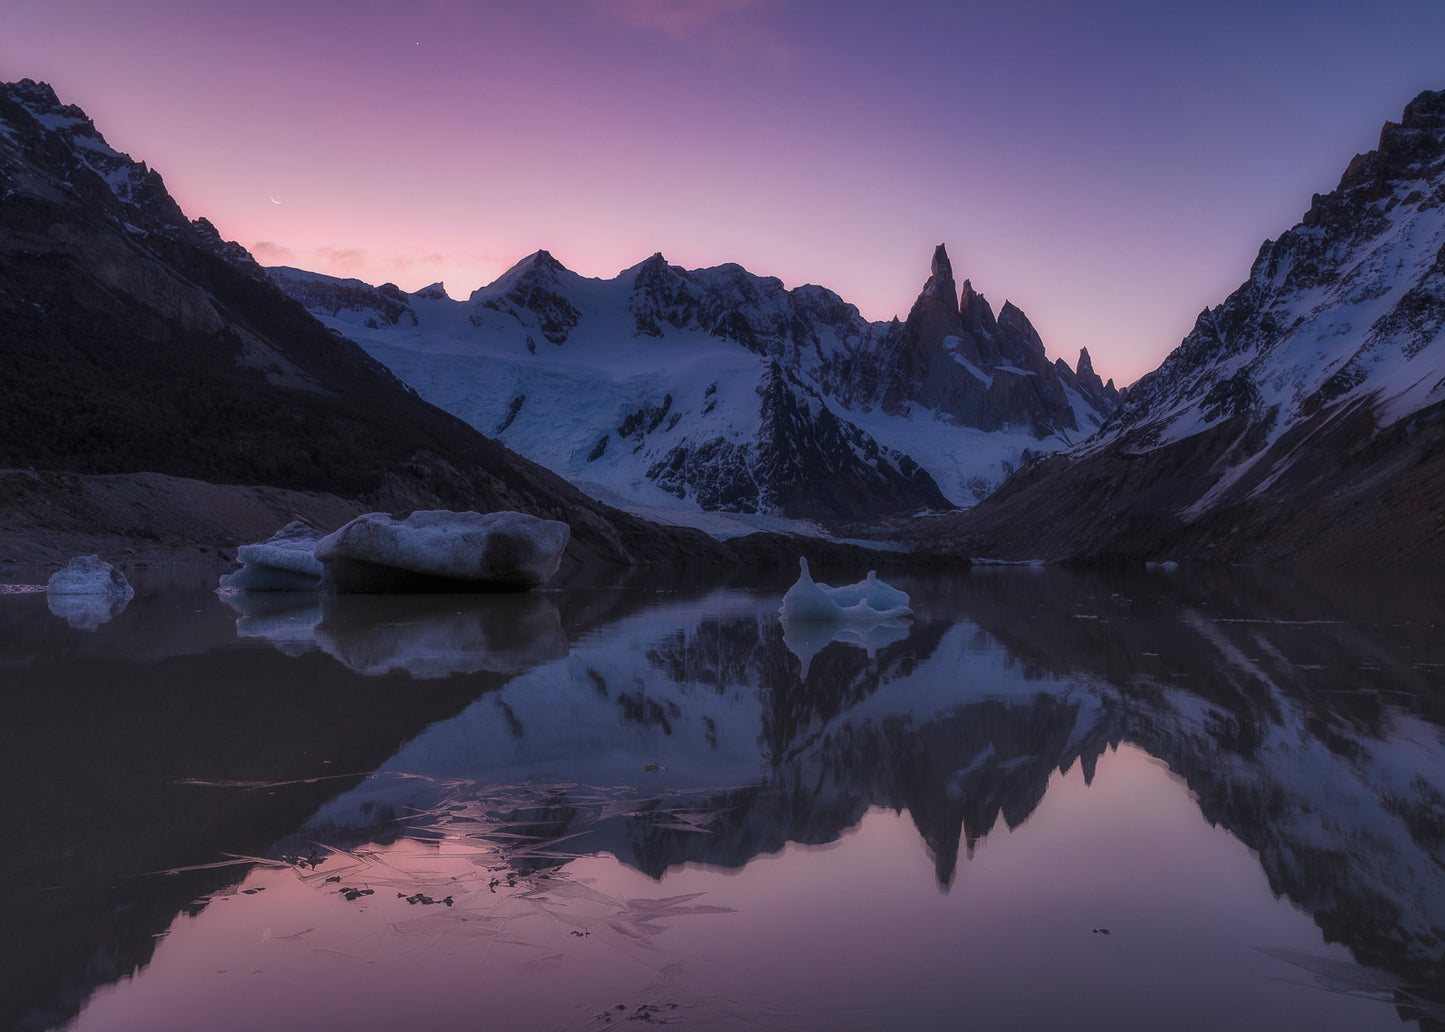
{"points": [[274, 201]]}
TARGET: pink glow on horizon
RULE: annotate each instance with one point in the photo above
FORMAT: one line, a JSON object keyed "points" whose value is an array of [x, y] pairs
{"points": [[1111, 173]]}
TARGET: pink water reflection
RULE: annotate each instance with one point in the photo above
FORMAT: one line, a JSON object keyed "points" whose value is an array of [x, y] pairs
{"points": [[856, 934]]}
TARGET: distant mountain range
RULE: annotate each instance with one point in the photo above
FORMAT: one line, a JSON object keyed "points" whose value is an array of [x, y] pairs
{"points": [[1302, 419], [716, 389]]}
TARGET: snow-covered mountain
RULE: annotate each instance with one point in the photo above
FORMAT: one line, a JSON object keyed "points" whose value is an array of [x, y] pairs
{"points": [[716, 389], [133, 339], [1303, 417]]}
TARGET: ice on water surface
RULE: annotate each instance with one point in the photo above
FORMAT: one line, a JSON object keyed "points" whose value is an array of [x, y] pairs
{"points": [[88, 592], [286, 561], [89, 575], [377, 552], [868, 600]]}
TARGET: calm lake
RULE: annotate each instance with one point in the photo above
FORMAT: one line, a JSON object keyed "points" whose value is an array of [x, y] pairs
{"points": [[1162, 799]]}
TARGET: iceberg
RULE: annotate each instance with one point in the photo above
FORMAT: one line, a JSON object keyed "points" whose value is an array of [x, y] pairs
{"points": [[437, 550], [88, 592], [285, 561], [870, 600], [882, 598], [90, 575]]}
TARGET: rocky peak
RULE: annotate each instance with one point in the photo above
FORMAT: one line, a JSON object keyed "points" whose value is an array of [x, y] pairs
{"points": [[659, 292], [1013, 324], [940, 280], [825, 306], [232, 253], [40, 100], [953, 357], [332, 296], [1410, 149], [532, 292], [975, 314], [62, 144], [543, 260], [934, 315], [1426, 111], [650, 270], [1104, 396], [39, 96], [1332, 344], [537, 268], [1021, 342], [655, 277]]}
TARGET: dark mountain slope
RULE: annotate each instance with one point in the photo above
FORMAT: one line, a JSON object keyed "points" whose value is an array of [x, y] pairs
{"points": [[1302, 420], [132, 339]]}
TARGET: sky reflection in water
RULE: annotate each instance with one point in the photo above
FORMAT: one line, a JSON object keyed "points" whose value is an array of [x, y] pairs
{"points": [[1131, 801]]}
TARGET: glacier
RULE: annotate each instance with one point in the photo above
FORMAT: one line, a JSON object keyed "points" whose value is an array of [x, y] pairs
{"points": [[682, 393]]}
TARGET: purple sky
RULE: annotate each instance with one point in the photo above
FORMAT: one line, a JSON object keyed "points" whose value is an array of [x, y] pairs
{"points": [[1112, 168]]}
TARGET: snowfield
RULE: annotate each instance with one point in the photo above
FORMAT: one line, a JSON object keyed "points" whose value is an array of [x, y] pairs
{"points": [[662, 390]]}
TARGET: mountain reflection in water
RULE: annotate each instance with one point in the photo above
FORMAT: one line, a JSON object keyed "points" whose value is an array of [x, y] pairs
{"points": [[672, 728]]}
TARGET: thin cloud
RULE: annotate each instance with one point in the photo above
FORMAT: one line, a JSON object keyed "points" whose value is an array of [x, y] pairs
{"points": [[269, 249], [344, 256], [684, 19], [436, 258], [734, 30], [377, 266]]}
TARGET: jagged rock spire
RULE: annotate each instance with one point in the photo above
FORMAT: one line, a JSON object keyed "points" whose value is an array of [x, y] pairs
{"points": [[940, 283]]}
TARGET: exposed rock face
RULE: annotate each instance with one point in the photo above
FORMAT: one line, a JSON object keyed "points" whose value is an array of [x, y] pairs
{"points": [[1082, 378], [1302, 419], [725, 391], [137, 340], [803, 461], [954, 357], [533, 296], [386, 305]]}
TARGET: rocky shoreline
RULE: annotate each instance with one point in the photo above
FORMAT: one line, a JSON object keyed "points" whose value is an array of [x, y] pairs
{"points": [[146, 519], [49, 517]]}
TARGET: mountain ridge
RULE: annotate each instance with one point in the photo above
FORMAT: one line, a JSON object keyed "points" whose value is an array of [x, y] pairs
{"points": [[732, 392], [137, 341], [1302, 419]]}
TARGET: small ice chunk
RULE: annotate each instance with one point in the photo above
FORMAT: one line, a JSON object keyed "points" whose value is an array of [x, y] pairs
{"points": [[89, 575], [438, 550], [878, 595], [869, 599], [285, 561], [88, 592]]}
